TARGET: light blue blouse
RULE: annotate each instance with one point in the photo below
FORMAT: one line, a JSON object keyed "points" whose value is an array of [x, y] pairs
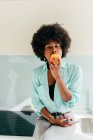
{"points": [[72, 76]]}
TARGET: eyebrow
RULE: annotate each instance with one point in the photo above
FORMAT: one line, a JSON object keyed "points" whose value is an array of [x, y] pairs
{"points": [[52, 45]]}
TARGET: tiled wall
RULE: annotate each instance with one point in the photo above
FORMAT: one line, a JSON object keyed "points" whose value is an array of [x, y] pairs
{"points": [[15, 79]]}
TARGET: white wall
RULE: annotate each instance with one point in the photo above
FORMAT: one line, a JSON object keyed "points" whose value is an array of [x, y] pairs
{"points": [[19, 19]]}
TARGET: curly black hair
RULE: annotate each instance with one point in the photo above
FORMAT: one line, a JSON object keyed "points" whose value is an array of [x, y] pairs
{"points": [[49, 32]]}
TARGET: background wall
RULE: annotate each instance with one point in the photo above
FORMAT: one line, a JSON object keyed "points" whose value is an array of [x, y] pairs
{"points": [[19, 19]]}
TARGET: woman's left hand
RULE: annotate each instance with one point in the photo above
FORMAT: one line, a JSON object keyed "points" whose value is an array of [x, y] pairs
{"points": [[63, 121], [55, 70]]}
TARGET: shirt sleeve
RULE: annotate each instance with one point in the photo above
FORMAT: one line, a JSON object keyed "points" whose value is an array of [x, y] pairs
{"points": [[75, 86], [38, 105]]}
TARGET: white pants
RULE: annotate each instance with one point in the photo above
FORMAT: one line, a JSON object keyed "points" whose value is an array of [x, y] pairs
{"points": [[45, 131]]}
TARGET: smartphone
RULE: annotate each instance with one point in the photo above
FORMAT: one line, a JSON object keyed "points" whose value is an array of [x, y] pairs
{"points": [[70, 121]]}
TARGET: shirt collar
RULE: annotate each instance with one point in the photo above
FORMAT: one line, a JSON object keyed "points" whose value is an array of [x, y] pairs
{"points": [[63, 64]]}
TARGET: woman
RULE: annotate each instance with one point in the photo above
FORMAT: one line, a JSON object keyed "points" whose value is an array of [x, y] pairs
{"points": [[55, 87]]}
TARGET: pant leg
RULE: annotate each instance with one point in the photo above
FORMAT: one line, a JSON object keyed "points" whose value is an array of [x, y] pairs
{"points": [[58, 133], [41, 126]]}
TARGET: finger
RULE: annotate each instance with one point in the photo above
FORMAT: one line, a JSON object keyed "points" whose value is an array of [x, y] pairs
{"points": [[51, 67], [56, 67], [66, 124], [73, 122], [52, 64], [59, 62]]}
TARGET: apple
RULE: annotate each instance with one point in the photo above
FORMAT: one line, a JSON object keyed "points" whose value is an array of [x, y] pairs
{"points": [[55, 58]]}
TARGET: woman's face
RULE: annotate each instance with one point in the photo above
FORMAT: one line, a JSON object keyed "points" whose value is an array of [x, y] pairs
{"points": [[51, 48]]}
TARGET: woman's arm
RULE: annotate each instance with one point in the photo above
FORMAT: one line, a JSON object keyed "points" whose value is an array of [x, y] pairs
{"points": [[72, 94], [46, 114], [64, 91], [61, 121]]}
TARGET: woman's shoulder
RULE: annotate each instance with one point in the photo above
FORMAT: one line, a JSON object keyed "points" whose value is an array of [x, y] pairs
{"points": [[38, 70], [73, 67]]}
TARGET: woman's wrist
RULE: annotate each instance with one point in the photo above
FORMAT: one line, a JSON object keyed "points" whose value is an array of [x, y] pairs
{"points": [[52, 120], [58, 78]]}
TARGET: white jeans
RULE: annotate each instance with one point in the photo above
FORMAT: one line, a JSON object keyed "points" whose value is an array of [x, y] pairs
{"points": [[45, 131]]}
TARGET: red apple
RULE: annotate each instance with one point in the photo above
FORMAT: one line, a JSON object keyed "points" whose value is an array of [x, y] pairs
{"points": [[55, 58]]}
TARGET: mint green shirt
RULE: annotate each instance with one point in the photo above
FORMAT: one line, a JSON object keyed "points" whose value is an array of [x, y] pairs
{"points": [[72, 76]]}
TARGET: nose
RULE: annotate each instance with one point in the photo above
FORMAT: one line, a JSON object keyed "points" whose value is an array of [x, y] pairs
{"points": [[54, 50]]}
